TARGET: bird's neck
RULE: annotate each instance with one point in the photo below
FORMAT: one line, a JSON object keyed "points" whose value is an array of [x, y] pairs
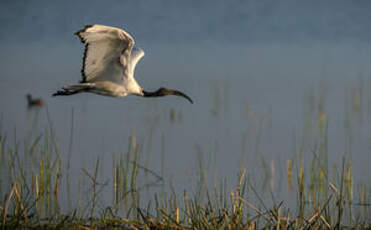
{"points": [[29, 98]]}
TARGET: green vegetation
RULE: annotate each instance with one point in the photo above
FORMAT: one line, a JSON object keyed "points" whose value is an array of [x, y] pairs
{"points": [[35, 178]]}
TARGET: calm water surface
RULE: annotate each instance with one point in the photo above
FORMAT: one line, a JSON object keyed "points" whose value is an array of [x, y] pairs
{"points": [[253, 100]]}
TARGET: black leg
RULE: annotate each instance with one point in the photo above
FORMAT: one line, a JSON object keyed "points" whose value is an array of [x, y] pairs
{"points": [[65, 92]]}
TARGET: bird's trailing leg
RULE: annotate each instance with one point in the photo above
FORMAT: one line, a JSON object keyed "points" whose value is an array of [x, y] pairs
{"points": [[74, 89], [65, 92]]}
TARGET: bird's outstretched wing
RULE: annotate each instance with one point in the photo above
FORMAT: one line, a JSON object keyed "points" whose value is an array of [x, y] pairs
{"points": [[107, 53]]}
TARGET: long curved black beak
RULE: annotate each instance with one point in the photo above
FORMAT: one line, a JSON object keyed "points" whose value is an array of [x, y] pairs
{"points": [[178, 93]]}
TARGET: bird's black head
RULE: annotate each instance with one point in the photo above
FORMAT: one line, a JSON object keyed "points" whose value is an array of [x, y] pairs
{"points": [[163, 91]]}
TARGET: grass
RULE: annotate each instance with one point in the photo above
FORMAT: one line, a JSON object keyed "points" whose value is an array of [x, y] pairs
{"points": [[36, 180]]}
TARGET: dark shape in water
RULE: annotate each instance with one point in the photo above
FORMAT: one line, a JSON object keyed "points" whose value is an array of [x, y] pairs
{"points": [[34, 102]]}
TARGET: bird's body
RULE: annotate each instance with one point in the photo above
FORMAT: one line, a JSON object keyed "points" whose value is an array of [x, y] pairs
{"points": [[108, 65]]}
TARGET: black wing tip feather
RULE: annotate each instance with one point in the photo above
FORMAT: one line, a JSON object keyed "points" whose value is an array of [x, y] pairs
{"points": [[81, 31], [83, 63], [78, 33]]}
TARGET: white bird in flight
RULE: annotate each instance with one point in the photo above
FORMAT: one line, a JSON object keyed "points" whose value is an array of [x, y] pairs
{"points": [[108, 65]]}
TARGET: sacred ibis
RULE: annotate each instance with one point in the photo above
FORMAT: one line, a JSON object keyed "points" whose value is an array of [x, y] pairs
{"points": [[108, 65]]}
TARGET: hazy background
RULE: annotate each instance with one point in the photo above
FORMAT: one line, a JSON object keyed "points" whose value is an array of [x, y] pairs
{"points": [[250, 67]]}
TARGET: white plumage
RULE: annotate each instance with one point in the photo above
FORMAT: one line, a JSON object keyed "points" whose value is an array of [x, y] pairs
{"points": [[109, 63]]}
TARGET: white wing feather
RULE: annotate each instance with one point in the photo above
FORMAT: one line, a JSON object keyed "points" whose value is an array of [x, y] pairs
{"points": [[135, 56], [107, 52]]}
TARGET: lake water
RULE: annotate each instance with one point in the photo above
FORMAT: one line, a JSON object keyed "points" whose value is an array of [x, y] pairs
{"points": [[253, 97]]}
